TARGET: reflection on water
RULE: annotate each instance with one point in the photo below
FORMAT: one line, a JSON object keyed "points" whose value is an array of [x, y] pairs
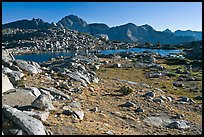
{"points": [[47, 55]]}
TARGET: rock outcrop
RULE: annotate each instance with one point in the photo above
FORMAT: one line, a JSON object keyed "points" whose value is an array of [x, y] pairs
{"points": [[29, 124], [29, 66], [6, 84]]}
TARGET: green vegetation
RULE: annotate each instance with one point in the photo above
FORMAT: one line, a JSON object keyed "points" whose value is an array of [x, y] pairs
{"points": [[125, 90], [171, 74], [19, 83], [178, 61]]}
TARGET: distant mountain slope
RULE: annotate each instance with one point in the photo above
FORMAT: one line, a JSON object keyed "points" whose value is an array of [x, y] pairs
{"points": [[28, 24], [97, 28], [128, 32], [196, 34]]}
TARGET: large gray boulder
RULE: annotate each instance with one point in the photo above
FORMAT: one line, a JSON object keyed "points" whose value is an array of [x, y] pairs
{"points": [[13, 75], [6, 84], [43, 102], [31, 67], [157, 121], [29, 124]]}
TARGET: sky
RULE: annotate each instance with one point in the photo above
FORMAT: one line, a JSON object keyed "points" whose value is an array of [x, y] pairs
{"points": [[160, 15]]}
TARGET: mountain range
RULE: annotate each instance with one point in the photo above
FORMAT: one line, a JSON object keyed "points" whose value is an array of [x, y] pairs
{"points": [[127, 33]]}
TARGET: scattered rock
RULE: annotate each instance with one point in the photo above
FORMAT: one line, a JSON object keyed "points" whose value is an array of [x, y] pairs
{"points": [[181, 124], [67, 112], [79, 114], [190, 79], [110, 132], [139, 110], [76, 90], [178, 84], [154, 75], [184, 99], [179, 116], [158, 100], [163, 97], [158, 89], [91, 89], [129, 104], [198, 97], [117, 65], [75, 104], [150, 94], [95, 109], [169, 98], [145, 85], [96, 67], [43, 102], [125, 81]]}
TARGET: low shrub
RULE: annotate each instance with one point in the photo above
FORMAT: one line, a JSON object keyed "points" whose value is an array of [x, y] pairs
{"points": [[125, 90]]}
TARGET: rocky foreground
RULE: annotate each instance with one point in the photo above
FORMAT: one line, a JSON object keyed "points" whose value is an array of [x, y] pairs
{"points": [[129, 93]]}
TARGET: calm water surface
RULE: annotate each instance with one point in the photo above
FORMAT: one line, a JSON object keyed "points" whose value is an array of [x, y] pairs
{"points": [[41, 57]]}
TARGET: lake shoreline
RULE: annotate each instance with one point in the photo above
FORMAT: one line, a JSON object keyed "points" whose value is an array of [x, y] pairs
{"points": [[50, 54]]}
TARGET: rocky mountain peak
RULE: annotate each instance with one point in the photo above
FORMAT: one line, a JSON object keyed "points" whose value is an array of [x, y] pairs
{"points": [[72, 22], [130, 24], [168, 31], [147, 27], [38, 20]]}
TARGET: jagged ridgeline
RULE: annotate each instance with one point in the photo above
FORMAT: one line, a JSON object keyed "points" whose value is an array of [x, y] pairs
{"points": [[126, 33]]}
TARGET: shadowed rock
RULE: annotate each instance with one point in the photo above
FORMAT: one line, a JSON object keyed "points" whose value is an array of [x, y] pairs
{"points": [[43, 102], [29, 124]]}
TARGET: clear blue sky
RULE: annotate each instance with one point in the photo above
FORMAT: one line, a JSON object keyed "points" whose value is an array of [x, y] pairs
{"points": [[160, 15]]}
